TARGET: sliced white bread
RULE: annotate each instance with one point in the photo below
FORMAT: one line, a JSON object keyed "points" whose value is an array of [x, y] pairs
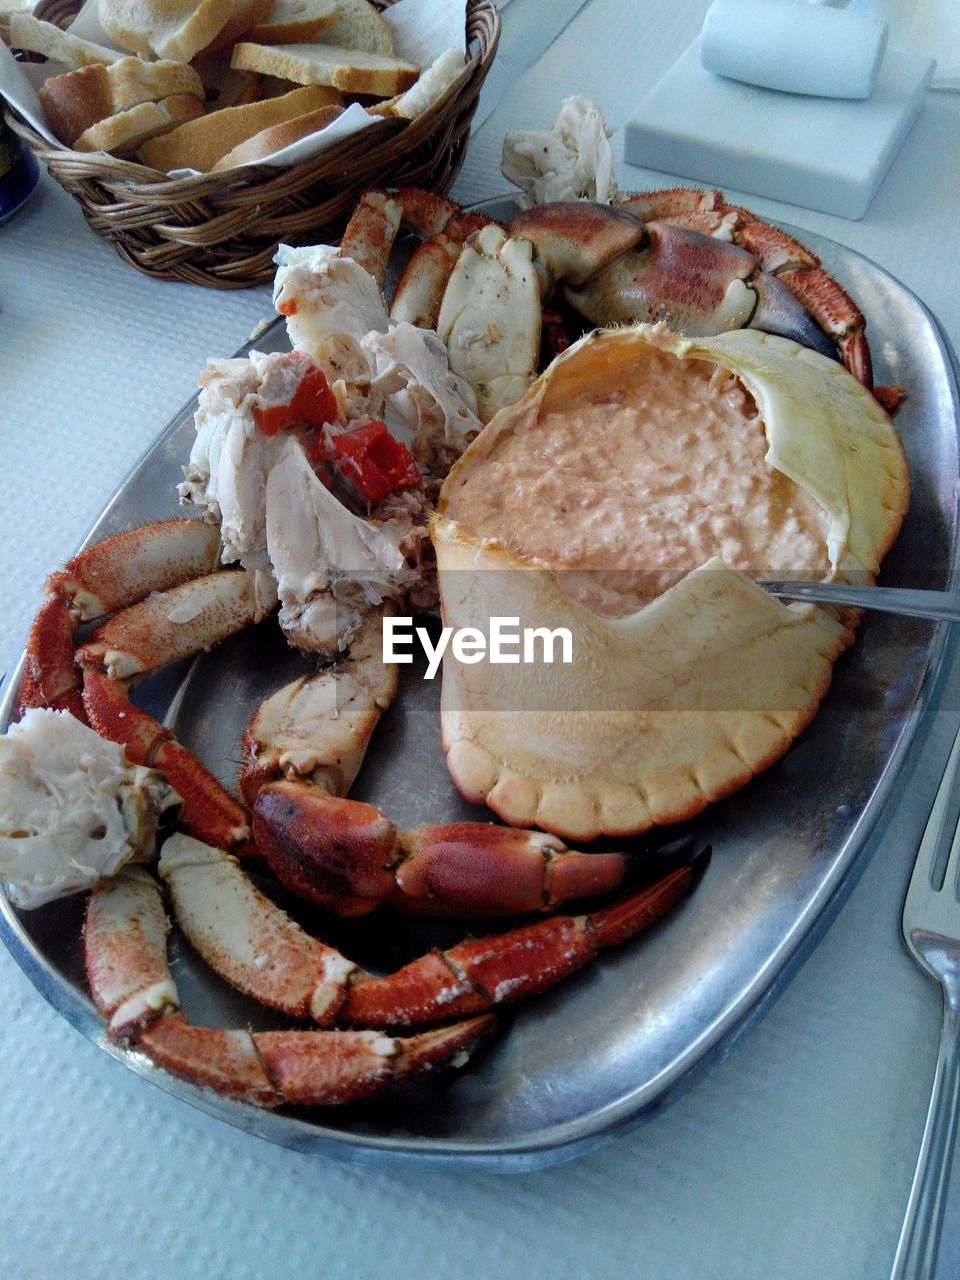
{"points": [[79, 99], [123, 133], [349, 70], [29, 33], [174, 29], [359, 26], [434, 82], [294, 21], [246, 14], [8, 8], [268, 141], [199, 144]]}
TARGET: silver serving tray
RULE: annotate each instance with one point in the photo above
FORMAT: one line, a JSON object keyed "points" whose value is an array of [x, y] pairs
{"points": [[611, 1045]]}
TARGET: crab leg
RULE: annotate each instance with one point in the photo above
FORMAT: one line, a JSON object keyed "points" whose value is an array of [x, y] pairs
{"points": [[181, 615], [479, 973], [255, 946], [112, 574], [132, 987], [209, 812], [419, 293], [248, 940], [315, 1068], [125, 949], [373, 227], [179, 622], [50, 677], [127, 567]]}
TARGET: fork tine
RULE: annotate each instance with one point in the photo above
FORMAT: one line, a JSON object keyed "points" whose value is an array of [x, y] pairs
{"points": [[935, 832], [953, 864]]}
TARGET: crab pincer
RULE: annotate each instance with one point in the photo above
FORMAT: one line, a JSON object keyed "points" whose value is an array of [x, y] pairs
{"points": [[348, 857]]}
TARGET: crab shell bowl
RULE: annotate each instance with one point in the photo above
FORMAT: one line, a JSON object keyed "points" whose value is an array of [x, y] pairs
{"points": [[634, 495]]}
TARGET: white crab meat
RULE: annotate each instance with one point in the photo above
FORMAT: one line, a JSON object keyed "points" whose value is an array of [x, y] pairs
{"points": [[277, 517], [72, 809], [331, 565], [336, 314], [331, 304], [490, 318], [424, 403], [227, 471], [571, 161]]}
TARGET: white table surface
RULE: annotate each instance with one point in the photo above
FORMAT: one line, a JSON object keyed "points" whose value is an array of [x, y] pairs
{"points": [[791, 1160]]}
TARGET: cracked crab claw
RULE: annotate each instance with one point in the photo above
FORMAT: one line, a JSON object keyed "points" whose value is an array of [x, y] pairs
{"points": [[73, 809], [490, 318]]}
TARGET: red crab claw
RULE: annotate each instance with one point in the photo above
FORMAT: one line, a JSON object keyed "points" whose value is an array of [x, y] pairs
{"points": [[51, 678], [348, 857], [330, 850], [109, 575], [572, 239], [477, 974], [480, 869], [697, 283]]}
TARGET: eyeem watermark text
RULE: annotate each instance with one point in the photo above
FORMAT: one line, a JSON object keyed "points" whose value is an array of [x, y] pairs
{"points": [[506, 642]]}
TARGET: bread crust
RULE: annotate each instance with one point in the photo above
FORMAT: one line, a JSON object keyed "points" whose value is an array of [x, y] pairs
{"points": [[349, 70], [267, 141], [432, 85], [199, 144], [76, 101], [124, 132]]}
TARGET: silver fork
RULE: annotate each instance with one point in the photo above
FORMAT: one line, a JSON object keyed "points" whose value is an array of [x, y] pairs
{"points": [[931, 930]]}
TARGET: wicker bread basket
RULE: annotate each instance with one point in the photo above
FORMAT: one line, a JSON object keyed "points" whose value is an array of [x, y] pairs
{"points": [[222, 229]]}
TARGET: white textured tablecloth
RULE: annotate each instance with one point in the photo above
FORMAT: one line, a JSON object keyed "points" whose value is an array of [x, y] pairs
{"points": [[790, 1161]]}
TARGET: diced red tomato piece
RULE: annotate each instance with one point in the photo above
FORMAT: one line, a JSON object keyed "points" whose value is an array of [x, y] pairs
{"points": [[312, 405], [373, 461], [287, 308]]}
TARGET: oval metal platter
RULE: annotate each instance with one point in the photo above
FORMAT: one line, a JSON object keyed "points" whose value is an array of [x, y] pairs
{"points": [[617, 1041]]}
